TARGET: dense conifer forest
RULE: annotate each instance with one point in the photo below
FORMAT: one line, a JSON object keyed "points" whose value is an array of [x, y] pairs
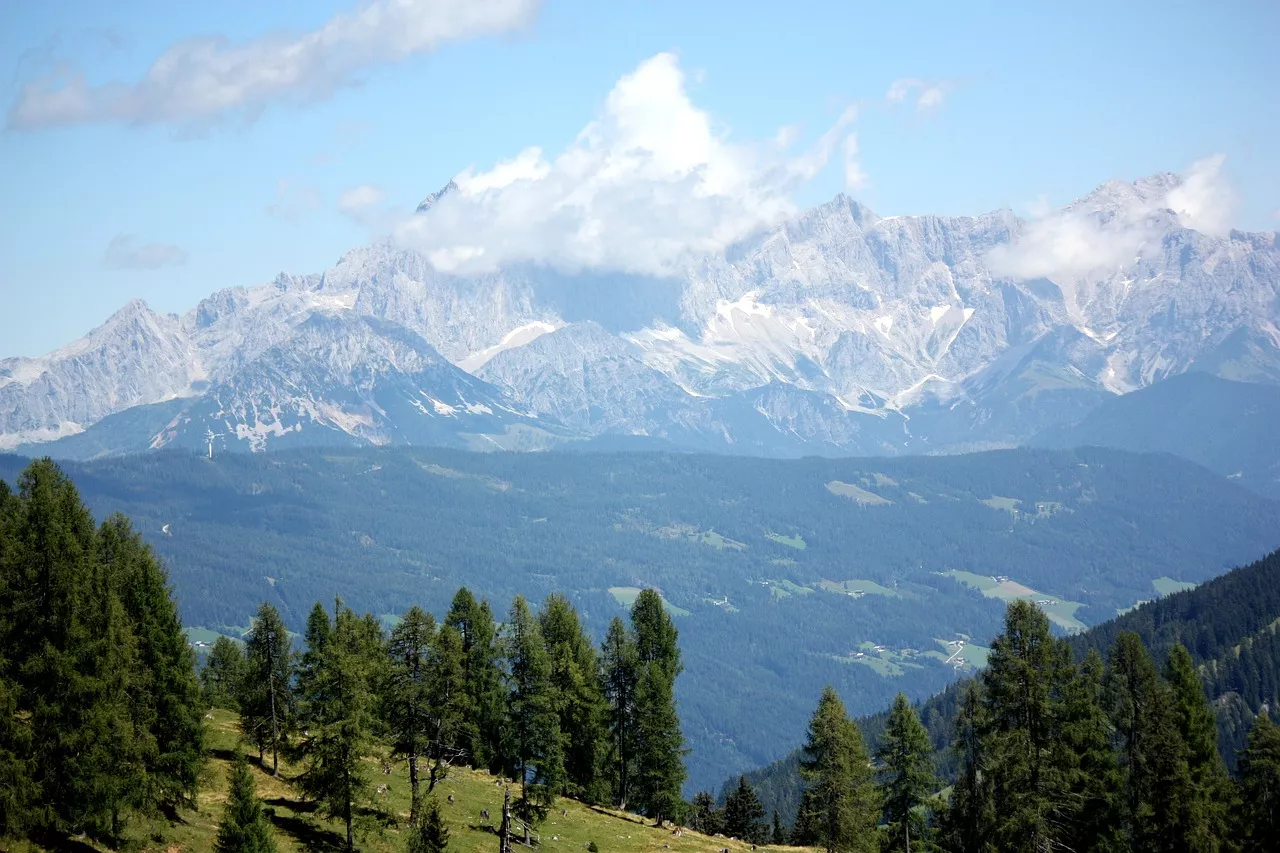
{"points": [[766, 557], [1087, 743]]}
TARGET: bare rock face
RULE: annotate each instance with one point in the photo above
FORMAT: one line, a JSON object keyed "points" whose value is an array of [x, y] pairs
{"points": [[836, 332]]}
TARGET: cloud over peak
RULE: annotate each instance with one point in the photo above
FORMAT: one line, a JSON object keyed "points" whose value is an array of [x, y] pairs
{"points": [[1117, 223], [648, 184], [122, 254], [203, 79]]}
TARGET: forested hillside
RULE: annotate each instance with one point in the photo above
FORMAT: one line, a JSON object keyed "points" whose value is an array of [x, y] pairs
{"points": [[814, 571], [1227, 625]]}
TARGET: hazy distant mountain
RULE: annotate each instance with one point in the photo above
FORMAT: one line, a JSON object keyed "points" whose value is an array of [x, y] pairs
{"points": [[1228, 427], [836, 332]]}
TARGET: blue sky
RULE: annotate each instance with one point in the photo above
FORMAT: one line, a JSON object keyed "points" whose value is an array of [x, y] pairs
{"points": [[116, 188]]}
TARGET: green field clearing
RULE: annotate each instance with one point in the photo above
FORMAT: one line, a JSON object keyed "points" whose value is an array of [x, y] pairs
{"points": [[856, 494], [1061, 613], [721, 543], [626, 596], [786, 588], [782, 561], [858, 588], [883, 479], [793, 541], [1168, 586], [973, 655], [1009, 505]]}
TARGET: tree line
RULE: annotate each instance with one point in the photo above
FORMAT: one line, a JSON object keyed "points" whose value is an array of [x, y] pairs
{"points": [[530, 699]]}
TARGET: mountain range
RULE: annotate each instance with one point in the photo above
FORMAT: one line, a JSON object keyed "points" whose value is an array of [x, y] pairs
{"points": [[837, 332]]}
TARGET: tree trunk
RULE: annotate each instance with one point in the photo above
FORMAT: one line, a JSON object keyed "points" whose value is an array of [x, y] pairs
{"points": [[275, 726], [413, 787]]}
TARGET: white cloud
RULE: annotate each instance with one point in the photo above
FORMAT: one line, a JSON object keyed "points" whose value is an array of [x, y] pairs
{"points": [[647, 185], [1115, 224], [854, 177], [201, 79], [1204, 201], [122, 254], [358, 200], [928, 95]]}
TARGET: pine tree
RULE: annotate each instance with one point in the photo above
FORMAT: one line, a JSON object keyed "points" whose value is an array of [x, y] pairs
{"points": [[620, 678], [340, 717], [428, 834], [407, 701], [660, 771], [704, 816], [743, 814], [244, 827], [266, 706], [969, 821], [842, 802], [1259, 808], [579, 701], [484, 713], [907, 778], [222, 679], [534, 726], [1209, 805]]}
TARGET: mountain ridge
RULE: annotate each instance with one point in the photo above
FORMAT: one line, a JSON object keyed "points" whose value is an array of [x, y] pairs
{"points": [[952, 323]]}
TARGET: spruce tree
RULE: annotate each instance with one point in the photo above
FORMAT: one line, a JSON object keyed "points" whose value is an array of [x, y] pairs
{"points": [[842, 805], [340, 718], [779, 836], [704, 816], [407, 700], [743, 814], [222, 679], [579, 701], [427, 833], [1021, 685], [535, 728], [1209, 804], [1084, 748], [969, 821], [620, 678], [1259, 809], [267, 704], [244, 827], [19, 794], [1157, 790], [907, 777]]}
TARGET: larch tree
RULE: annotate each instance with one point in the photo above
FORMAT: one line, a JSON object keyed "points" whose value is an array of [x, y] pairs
{"points": [[484, 716], [267, 703], [1209, 807], [340, 714], [407, 699], [537, 749], [222, 679], [620, 677], [579, 700]]}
